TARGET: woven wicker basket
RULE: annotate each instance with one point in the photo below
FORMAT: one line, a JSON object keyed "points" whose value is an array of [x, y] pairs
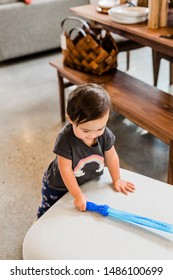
{"points": [[90, 50]]}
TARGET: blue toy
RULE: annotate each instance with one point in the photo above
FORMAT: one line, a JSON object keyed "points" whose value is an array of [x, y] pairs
{"points": [[105, 210]]}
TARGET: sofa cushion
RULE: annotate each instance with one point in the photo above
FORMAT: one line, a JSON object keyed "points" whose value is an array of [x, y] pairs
{"points": [[29, 29], [8, 1]]}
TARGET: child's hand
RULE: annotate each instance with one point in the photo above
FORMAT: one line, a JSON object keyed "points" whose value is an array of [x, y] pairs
{"points": [[80, 202], [123, 186]]}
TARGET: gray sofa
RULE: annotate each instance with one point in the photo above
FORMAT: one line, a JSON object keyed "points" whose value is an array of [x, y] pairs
{"points": [[29, 29]]}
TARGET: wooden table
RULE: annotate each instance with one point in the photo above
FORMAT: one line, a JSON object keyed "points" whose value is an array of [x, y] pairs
{"points": [[139, 33], [136, 32], [64, 233]]}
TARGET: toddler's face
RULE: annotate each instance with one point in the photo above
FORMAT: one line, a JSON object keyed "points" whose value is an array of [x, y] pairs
{"points": [[89, 131]]}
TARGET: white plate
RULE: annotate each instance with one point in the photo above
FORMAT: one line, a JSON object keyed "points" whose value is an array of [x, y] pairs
{"points": [[129, 11], [107, 4], [129, 20]]}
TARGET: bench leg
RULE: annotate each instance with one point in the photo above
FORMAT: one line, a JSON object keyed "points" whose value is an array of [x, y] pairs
{"points": [[170, 167], [61, 96]]}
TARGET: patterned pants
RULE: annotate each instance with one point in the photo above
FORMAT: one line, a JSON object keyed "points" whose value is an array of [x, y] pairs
{"points": [[49, 197]]}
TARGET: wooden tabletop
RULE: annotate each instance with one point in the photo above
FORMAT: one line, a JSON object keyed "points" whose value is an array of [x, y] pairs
{"points": [[136, 32]]}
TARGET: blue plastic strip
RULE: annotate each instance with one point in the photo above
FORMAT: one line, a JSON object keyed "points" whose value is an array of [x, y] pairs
{"points": [[105, 210], [132, 218]]}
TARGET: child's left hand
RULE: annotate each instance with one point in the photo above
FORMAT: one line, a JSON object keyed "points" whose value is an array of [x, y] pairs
{"points": [[123, 186]]}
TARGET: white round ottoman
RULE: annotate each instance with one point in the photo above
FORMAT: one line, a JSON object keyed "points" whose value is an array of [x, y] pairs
{"points": [[64, 233]]}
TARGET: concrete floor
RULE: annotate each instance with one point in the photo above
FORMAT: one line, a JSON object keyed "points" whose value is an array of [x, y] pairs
{"points": [[29, 123]]}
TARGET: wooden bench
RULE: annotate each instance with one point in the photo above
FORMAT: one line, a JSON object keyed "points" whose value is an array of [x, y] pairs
{"points": [[145, 105]]}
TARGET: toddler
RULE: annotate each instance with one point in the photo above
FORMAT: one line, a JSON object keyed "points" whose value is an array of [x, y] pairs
{"points": [[83, 147]]}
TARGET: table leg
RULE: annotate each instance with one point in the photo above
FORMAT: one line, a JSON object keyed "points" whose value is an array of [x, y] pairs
{"points": [[171, 73], [61, 95], [156, 65], [170, 166]]}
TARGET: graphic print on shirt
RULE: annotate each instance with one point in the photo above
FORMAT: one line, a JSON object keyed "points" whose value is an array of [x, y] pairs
{"points": [[78, 171]]}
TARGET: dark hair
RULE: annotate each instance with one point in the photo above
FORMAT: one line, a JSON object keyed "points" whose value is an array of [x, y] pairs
{"points": [[87, 102]]}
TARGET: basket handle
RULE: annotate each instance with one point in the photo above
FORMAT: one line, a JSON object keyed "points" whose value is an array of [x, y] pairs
{"points": [[79, 29], [84, 23]]}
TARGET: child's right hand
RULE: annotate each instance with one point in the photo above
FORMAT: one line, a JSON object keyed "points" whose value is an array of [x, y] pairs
{"points": [[80, 202]]}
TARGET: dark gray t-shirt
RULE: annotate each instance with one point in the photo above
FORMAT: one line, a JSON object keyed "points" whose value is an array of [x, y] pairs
{"points": [[87, 162]]}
